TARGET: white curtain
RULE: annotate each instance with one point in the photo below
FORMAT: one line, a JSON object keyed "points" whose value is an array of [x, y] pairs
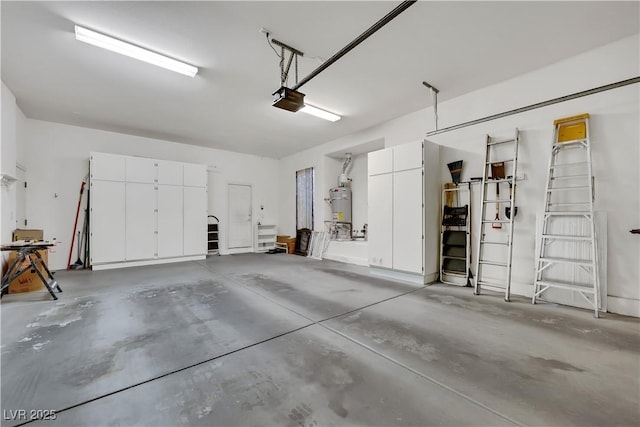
{"points": [[304, 198]]}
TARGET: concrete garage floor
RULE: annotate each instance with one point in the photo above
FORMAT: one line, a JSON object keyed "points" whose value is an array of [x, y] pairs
{"points": [[288, 341]]}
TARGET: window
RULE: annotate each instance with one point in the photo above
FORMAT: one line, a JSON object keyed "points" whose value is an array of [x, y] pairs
{"points": [[304, 198]]}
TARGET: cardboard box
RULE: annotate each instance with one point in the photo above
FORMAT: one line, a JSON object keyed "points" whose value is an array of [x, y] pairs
{"points": [[25, 234], [281, 238], [291, 244], [29, 280]]}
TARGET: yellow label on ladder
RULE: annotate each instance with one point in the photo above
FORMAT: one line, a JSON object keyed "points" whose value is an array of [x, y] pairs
{"points": [[572, 128]]}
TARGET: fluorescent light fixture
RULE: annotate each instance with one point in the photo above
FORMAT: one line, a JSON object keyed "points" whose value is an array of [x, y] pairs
{"points": [[315, 111], [123, 48]]}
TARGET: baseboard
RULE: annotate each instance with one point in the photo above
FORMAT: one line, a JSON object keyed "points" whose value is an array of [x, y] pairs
{"points": [[234, 251], [346, 259], [414, 278], [114, 265], [625, 306]]}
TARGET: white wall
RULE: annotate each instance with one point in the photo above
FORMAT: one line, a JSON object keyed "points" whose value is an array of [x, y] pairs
{"points": [[615, 138], [12, 131], [57, 161]]}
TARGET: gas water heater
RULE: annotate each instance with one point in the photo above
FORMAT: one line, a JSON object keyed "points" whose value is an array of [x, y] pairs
{"points": [[340, 199]]}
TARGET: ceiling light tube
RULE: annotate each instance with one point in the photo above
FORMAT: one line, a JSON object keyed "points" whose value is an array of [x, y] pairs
{"points": [[127, 49], [315, 111]]}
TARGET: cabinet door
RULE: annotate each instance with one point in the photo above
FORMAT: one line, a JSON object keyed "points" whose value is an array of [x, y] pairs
{"points": [[140, 169], [107, 221], [407, 156], [169, 173], [408, 221], [380, 161], [107, 167], [195, 175], [380, 220], [170, 225], [195, 221], [140, 221]]}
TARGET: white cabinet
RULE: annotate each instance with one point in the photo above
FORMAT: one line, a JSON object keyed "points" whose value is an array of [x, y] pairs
{"points": [[170, 173], [107, 221], [170, 220], [380, 161], [139, 169], [143, 211], [404, 210], [408, 221], [107, 167], [407, 156], [265, 237], [195, 175], [140, 221], [380, 220], [195, 220]]}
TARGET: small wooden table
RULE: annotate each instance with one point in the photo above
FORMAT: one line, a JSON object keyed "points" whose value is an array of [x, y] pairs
{"points": [[28, 258]]}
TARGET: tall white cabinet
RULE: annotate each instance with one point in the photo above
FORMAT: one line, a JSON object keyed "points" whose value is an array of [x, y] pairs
{"points": [[146, 211], [403, 198]]}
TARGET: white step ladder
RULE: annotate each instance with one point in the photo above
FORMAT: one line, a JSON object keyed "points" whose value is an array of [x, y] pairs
{"points": [[569, 200], [500, 157]]}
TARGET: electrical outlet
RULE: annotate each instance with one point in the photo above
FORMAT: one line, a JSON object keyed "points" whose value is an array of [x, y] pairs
{"points": [[521, 176]]}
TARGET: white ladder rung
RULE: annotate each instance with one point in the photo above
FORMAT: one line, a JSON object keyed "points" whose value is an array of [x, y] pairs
{"points": [[574, 143], [579, 187], [484, 242], [489, 180], [587, 288], [553, 178], [501, 142], [494, 263], [570, 203], [454, 257], [558, 165], [497, 201], [568, 213], [582, 262], [492, 284], [563, 237], [500, 161]]}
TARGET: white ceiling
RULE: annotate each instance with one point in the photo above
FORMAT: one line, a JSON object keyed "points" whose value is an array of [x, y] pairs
{"points": [[456, 46]]}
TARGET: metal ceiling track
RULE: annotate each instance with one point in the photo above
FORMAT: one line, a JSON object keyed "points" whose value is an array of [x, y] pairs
{"points": [[538, 105], [362, 37]]}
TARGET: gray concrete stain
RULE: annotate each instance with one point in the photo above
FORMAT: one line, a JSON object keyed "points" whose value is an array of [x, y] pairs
{"points": [[554, 364]]}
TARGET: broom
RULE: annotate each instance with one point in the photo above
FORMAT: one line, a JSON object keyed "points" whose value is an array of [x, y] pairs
{"points": [[497, 172]]}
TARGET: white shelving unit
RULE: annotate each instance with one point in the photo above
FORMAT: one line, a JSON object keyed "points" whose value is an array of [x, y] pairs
{"points": [[265, 237]]}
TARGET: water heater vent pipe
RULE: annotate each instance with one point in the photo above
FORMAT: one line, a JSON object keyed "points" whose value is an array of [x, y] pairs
{"points": [[343, 179]]}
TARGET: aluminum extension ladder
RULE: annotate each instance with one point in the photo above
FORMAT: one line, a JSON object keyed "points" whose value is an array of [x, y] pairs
{"points": [[564, 245], [491, 229]]}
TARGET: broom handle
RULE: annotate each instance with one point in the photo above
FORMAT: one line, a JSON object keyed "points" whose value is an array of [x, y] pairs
{"points": [[75, 226], [497, 198]]}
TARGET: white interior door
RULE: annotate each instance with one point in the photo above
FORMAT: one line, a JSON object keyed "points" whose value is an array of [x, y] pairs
{"points": [[240, 220], [107, 221], [408, 222], [195, 220], [380, 220], [170, 221], [141, 221]]}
